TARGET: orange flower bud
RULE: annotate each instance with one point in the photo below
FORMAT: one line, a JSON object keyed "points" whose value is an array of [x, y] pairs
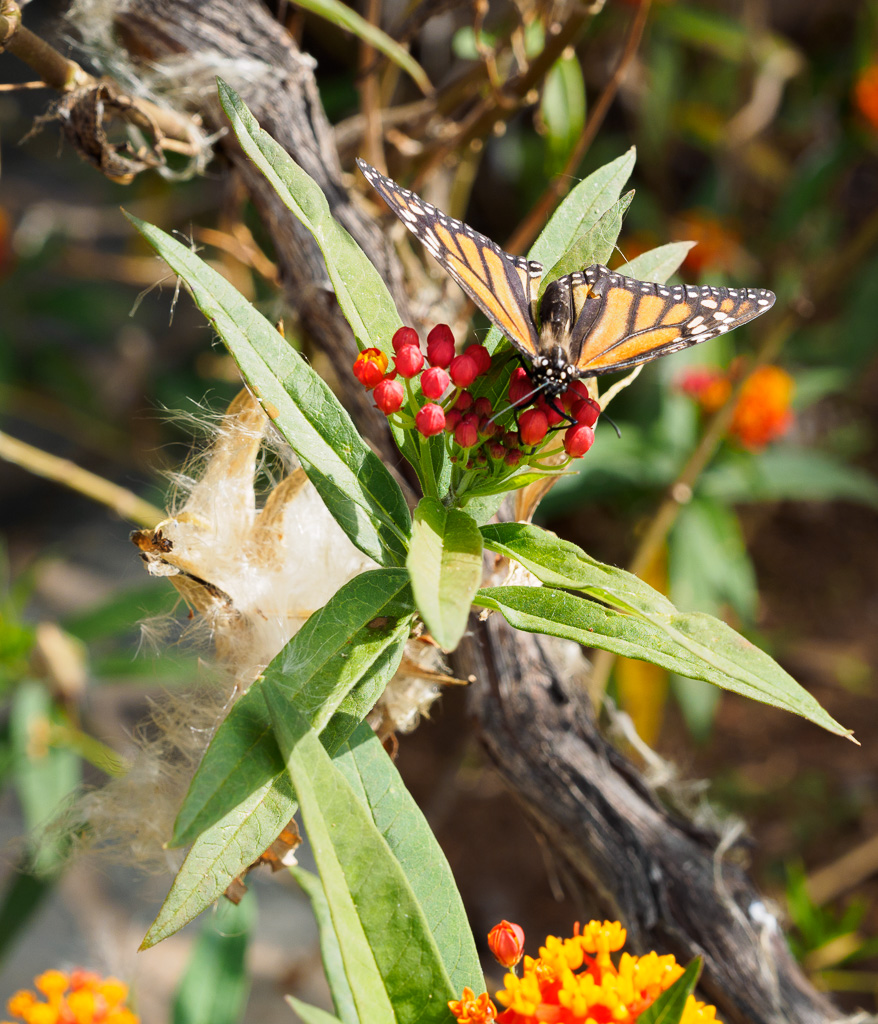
{"points": [[506, 942], [370, 366]]}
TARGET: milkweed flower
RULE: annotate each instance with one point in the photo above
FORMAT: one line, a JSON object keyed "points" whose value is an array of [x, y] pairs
{"points": [[506, 942], [763, 411], [577, 981], [78, 997]]}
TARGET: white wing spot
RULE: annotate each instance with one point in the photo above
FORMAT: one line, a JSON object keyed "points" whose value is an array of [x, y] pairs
{"points": [[708, 303], [695, 321]]}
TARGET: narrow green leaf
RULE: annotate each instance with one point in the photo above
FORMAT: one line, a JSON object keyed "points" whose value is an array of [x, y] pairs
{"points": [[214, 988], [330, 952], [390, 956], [221, 853], [580, 210], [697, 646], [340, 645], [445, 564], [240, 798], [342, 15], [558, 563], [595, 245], [353, 482], [669, 1007], [657, 264], [562, 109], [374, 778], [311, 1014], [359, 288]]}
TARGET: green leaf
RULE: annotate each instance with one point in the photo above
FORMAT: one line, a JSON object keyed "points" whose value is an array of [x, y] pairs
{"points": [[362, 627], [311, 1014], [330, 952], [342, 15], [785, 473], [657, 264], [669, 1007], [376, 781], [445, 564], [355, 485], [595, 245], [697, 646], [361, 292], [562, 109], [214, 988], [558, 563], [391, 960], [240, 798]]}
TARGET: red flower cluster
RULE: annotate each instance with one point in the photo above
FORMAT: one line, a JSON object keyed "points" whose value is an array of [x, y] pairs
{"points": [[470, 422]]}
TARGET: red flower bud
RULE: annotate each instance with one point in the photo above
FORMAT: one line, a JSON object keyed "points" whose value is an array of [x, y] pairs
{"points": [[464, 401], [466, 433], [576, 391], [389, 396], [405, 336], [430, 420], [586, 412], [513, 457], [578, 440], [511, 439], [552, 415], [497, 450], [434, 382], [488, 428], [464, 370], [481, 355], [520, 386], [533, 426], [506, 942], [409, 361], [369, 366], [481, 458], [440, 346], [484, 407], [452, 418]]}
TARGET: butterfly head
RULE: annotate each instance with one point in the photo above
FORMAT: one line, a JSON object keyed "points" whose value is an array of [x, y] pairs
{"points": [[552, 373]]}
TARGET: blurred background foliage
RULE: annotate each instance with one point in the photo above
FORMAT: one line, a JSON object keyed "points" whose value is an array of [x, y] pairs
{"points": [[756, 125]]}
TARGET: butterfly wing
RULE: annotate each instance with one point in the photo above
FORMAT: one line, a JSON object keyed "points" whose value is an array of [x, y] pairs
{"points": [[504, 287], [619, 322]]}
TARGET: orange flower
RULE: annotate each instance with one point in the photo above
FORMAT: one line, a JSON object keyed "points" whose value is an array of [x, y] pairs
{"points": [[370, 367], [718, 246], [506, 942], [762, 413], [866, 94], [575, 981], [80, 997]]}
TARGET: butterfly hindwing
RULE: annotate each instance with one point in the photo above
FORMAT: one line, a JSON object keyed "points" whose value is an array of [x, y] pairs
{"points": [[635, 321], [504, 287]]}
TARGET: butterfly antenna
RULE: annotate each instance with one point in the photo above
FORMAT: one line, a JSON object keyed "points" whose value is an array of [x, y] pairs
{"points": [[613, 424], [522, 401]]}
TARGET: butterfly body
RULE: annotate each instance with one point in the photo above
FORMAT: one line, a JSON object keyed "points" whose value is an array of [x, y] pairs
{"points": [[587, 323]]}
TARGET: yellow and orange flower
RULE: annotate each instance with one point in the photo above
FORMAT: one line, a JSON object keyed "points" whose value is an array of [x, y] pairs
{"points": [[575, 981], [718, 245], [79, 997], [763, 410]]}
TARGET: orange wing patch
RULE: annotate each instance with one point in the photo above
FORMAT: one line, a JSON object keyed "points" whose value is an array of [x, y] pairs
{"points": [[679, 312], [648, 311], [635, 348], [610, 327]]}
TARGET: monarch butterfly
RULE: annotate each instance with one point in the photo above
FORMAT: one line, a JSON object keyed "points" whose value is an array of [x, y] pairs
{"points": [[593, 321]]}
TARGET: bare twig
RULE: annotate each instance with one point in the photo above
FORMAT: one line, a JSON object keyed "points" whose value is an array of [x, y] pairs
{"points": [[68, 474]]}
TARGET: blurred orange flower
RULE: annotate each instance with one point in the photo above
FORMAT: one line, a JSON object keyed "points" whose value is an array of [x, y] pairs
{"points": [[762, 413], [576, 981], [718, 245], [866, 94], [79, 997]]}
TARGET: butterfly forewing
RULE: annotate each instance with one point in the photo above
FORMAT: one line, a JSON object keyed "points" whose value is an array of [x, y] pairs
{"points": [[635, 321], [504, 287]]}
